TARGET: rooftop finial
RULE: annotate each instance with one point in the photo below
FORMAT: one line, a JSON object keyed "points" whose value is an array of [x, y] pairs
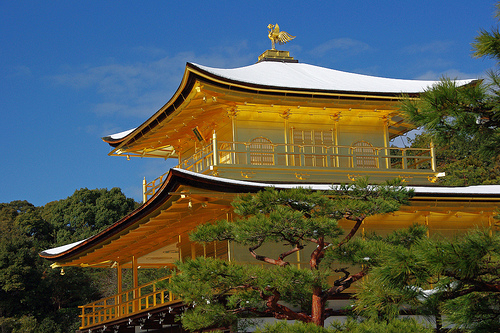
{"points": [[277, 36]]}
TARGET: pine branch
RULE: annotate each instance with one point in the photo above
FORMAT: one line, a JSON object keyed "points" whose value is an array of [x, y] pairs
{"points": [[281, 311], [277, 262], [353, 231], [344, 284], [478, 285], [317, 254], [297, 247]]}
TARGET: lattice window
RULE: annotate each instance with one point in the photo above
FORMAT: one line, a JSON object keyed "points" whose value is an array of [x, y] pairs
{"points": [[368, 158], [262, 151], [317, 147]]}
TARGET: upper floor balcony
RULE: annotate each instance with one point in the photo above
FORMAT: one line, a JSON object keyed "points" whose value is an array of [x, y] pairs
{"points": [[263, 160]]}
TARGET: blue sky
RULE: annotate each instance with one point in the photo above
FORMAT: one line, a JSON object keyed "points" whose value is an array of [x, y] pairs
{"points": [[74, 71]]}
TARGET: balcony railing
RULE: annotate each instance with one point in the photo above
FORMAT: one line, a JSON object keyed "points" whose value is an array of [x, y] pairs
{"points": [[318, 156], [252, 155], [132, 301]]}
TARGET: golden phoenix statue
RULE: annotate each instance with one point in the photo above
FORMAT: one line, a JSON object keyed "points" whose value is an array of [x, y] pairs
{"points": [[277, 36]]}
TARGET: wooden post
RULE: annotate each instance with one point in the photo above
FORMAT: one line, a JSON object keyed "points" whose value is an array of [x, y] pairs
{"points": [[433, 157], [386, 144], [336, 143], [215, 153], [235, 137], [119, 275], [403, 159], [136, 283], [428, 233], [287, 140], [119, 289], [193, 251], [144, 190]]}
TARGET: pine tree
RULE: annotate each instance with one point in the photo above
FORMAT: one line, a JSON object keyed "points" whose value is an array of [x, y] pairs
{"points": [[464, 121], [456, 280], [302, 220]]}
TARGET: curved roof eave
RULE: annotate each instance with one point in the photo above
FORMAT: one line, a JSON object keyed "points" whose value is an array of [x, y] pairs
{"points": [[173, 181], [115, 140], [178, 177], [246, 83]]}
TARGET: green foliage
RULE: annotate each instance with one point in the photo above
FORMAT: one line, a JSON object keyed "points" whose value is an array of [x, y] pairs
{"points": [[221, 292], [23, 324], [298, 215], [85, 213], [462, 162], [352, 326], [33, 297], [456, 278], [298, 327], [207, 316], [464, 122], [391, 326], [487, 44], [463, 119], [209, 283]]}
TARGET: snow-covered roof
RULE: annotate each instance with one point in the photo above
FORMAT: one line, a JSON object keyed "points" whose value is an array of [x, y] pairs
{"points": [[466, 190], [310, 77], [120, 135], [61, 249], [305, 77]]}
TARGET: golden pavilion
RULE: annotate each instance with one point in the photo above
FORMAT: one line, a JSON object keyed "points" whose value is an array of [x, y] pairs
{"points": [[277, 123]]}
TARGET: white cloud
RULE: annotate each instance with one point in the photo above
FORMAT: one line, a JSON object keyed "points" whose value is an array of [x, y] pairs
{"points": [[432, 47], [141, 88], [450, 73], [346, 45], [22, 71]]}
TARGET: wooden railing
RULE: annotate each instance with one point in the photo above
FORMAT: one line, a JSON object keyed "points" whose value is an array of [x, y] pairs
{"points": [[301, 157], [132, 301], [308, 156]]}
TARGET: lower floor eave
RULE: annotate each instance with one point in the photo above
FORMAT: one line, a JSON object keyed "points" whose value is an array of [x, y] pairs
{"points": [[155, 234]]}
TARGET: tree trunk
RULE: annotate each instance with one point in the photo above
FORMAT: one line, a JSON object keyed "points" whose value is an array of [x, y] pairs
{"points": [[318, 307]]}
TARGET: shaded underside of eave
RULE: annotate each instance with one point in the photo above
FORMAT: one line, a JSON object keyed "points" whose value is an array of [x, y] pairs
{"points": [[194, 74], [151, 208], [177, 178], [141, 213]]}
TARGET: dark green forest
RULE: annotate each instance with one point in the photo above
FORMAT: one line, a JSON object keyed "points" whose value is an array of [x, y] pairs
{"points": [[34, 297]]}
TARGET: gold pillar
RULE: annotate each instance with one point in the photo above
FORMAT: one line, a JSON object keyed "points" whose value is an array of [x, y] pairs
{"points": [[214, 148], [433, 157], [386, 143], [428, 233], [336, 142], [136, 283], [119, 277], [285, 117], [180, 248], [235, 136], [193, 251], [134, 272]]}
